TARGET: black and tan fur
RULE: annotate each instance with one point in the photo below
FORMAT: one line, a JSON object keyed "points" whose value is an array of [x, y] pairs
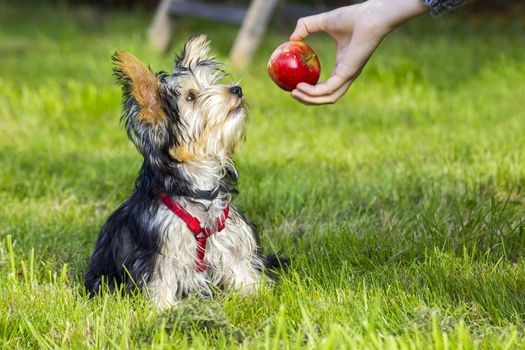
{"points": [[186, 126]]}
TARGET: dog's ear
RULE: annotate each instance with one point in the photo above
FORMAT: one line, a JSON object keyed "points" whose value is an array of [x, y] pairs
{"points": [[140, 84], [196, 52]]}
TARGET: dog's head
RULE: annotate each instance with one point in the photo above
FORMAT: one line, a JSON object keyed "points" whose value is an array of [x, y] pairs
{"points": [[186, 116]]}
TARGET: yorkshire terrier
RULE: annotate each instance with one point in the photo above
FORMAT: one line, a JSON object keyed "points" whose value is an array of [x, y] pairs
{"points": [[179, 233]]}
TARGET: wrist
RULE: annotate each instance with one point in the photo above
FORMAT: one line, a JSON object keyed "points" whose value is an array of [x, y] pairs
{"points": [[393, 13]]}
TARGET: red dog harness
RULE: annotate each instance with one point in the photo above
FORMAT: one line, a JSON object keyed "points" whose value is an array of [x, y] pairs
{"points": [[201, 234]]}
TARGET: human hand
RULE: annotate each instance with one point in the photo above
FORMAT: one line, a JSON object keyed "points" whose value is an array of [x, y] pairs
{"points": [[357, 31]]}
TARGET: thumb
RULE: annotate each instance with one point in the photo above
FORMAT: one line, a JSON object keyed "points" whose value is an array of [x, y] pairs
{"points": [[306, 26]]}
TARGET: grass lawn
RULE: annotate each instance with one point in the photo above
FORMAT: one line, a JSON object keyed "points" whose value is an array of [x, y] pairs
{"points": [[402, 206]]}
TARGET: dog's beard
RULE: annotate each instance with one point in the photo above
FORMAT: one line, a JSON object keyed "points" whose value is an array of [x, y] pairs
{"points": [[214, 125]]}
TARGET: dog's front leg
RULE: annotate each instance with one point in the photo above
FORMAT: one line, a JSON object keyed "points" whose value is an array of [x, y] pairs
{"points": [[175, 275], [235, 252], [247, 275]]}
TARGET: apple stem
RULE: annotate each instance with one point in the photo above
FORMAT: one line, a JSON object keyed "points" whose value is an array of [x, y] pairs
{"points": [[309, 58]]}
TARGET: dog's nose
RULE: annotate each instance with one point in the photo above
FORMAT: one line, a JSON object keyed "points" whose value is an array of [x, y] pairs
{"points": [[236, 90]]}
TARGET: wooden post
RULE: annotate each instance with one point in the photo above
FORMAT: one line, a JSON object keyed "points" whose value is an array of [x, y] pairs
{"points": [[252, 31], [161, 28]]}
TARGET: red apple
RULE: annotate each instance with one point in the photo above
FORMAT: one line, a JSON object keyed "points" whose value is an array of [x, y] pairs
{"points": [[294, 62]]}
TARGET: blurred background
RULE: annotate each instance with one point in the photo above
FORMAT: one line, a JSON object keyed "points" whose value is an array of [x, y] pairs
{"points": [[499, 5], [409, 192], [437, 113]]}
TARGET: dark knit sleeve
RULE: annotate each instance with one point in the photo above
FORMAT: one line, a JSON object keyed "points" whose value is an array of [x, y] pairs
{"points": [[437, 7]]}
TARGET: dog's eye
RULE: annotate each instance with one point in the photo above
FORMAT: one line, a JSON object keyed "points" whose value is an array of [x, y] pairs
{"points": [[190, 97]]}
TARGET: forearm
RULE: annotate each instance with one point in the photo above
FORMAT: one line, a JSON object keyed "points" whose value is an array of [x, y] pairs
{"points": [[393, 13], [397, 12]]}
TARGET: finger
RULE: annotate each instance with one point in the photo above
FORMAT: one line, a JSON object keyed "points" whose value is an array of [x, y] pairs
{"points": [[320, 100], [325, 88], [307, 25]]}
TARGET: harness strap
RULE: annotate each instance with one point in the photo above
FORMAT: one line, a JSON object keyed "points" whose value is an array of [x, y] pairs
{"points": [[194, 224]]}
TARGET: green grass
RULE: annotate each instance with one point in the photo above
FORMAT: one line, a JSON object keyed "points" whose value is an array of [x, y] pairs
{"points": [[402, 206]]}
